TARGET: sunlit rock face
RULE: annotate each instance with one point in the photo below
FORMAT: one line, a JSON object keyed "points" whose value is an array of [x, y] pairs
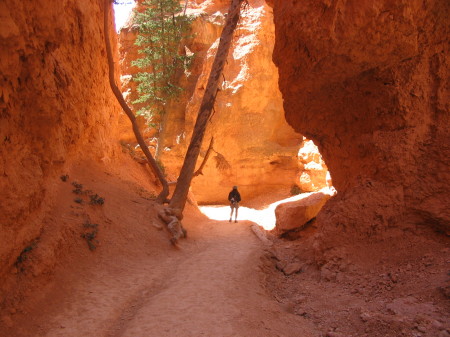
{"points": [[254, 147], [312, 174], [368, 82], [298, 210], [55, 106], [249, 126]]}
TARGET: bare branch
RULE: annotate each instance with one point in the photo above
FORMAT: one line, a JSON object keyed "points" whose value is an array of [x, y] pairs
{"points": [[208, 153]]}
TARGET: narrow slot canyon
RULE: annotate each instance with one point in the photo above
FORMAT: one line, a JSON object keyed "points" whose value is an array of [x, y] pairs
{"points": [[332, 120]]}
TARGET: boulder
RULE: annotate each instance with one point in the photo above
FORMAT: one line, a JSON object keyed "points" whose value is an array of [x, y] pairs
{"points": [[295, 214]]}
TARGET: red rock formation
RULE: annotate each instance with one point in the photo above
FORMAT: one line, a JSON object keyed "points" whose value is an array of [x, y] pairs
{"points": [[55, 107], [368, 82]]}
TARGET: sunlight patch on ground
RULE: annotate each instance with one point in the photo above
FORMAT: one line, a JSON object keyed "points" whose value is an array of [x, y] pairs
{"points": [[264, 218]]}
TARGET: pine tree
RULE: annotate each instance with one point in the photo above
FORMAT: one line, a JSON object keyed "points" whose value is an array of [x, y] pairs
{"points": [[161, 28]]}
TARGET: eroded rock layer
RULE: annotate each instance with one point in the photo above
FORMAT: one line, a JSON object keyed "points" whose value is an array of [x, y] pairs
{"points": [[55, 105], [368, 82]]}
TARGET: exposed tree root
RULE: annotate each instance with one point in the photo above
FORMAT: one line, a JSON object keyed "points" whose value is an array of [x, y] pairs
{"points": [[172, 219]]}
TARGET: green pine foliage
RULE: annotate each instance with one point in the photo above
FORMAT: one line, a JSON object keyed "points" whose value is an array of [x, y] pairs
{"points": [[161, 28]]}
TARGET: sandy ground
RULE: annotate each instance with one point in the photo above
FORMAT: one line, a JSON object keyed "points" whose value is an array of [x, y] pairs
{"points": [[210, 286], [399, 286]]}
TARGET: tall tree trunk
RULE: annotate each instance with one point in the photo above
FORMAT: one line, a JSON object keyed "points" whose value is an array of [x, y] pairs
{"points": [[179, 197], [162, 197]]}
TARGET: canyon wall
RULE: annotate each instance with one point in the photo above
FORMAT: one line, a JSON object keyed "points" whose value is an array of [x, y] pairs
{"points": [[254, 146], [368, 82], [56, 106]]}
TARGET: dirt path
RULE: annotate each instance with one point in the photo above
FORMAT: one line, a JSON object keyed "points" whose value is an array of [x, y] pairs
{"points": [[211, 286]]}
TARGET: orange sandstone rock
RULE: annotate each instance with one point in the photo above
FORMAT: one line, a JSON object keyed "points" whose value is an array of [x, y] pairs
{"points": [[313, 172]]}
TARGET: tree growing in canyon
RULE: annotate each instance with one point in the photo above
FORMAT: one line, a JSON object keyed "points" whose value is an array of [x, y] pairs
{"points": [[161, 28], [156, 169], [179, 198]]}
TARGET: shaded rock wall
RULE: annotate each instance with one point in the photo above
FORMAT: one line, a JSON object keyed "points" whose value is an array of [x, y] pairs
{"points": [[55, 106], [257, 148], [368, 82]]}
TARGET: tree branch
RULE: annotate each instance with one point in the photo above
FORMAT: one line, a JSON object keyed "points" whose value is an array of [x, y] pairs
{"points": [[208, 153]]}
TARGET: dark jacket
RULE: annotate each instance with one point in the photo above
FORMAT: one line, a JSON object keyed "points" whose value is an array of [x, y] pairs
{"points": [[234, 195]]}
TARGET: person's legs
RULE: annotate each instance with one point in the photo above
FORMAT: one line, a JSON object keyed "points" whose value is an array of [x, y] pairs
{"points": [[236, 214], [231, 214]]}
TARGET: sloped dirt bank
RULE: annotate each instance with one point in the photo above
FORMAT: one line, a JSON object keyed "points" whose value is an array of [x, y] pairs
{"points": [[89, 211]]}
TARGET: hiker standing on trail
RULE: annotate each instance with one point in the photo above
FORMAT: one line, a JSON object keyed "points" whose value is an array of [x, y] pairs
{"points": [[234, 198]]}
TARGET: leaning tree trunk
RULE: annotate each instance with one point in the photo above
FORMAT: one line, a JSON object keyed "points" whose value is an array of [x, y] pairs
{"points": [[179, 197], [162, 197]]}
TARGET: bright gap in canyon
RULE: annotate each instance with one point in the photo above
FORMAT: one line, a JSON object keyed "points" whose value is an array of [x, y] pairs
{"points": [[331, 118]]}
